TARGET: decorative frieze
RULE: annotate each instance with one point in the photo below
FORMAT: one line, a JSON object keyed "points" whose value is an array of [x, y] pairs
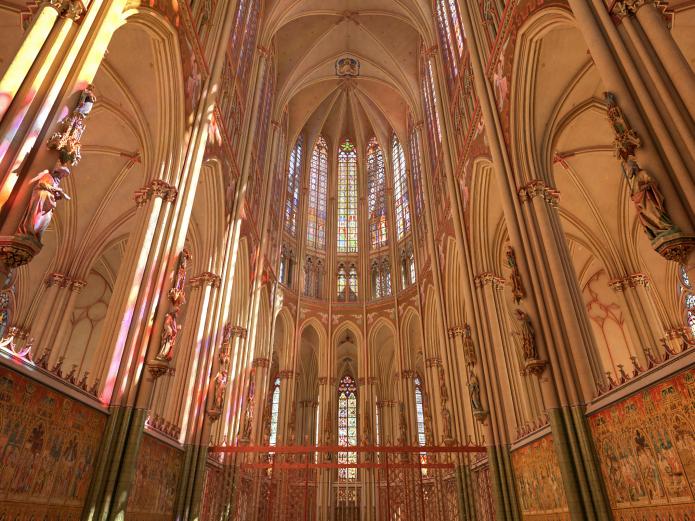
{"points": [[156, 188], [630, 281], [538, 188]]}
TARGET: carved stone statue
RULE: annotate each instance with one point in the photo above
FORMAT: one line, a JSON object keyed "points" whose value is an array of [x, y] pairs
{"points": [[532, 362], [518, 290], [528, 336], [45, 194], [649, 203], [220, 387], [402, 425], [468, 347], [474, 390], [447, 424], [177, 294], [66, 141], [168, 339]]}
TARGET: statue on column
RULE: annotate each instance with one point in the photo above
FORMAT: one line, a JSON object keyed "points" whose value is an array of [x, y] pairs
{"points": [[402, 425], [45, 194], [479, 412], [649, 202], [448, 426], [532, 362], [666, 238], [66, 141], [171, 327], [518, 291], [170, 331], [468, 347]]}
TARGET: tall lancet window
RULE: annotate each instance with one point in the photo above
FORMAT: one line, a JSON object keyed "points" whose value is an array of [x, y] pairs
{"points": [[400, 189], [420, 413], [318, 179], [420, 416], [376, 188], [416, 170], [347, 426], [294, 172], [274, 410], [347, 198]]}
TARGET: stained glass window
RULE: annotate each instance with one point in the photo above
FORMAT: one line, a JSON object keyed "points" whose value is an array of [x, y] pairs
{"points": [[416, 171], [316, 215], [347, 198], [420, 412], [352, 283], [400, 189], [376, 189], [347, 426], [381, 278], [434, 132], [420, 415], [294, 171], [446, 37], [274, 409]]}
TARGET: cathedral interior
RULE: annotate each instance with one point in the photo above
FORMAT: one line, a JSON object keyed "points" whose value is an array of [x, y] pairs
{"points": [[351, 260]]}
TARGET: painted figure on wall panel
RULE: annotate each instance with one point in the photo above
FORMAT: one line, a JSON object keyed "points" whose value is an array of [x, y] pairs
{"points": [[48, 444], [646, 446], [157, 475], [539, 482]]}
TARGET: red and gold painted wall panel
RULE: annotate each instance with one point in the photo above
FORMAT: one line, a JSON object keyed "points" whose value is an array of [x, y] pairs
{"points": [[157, 476], [646, 448], [211, 504], [48, 446], [539, 483], [482, 488]]}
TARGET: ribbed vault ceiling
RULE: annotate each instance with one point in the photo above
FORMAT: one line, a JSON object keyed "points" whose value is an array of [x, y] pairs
{"points": [[385, 36]]}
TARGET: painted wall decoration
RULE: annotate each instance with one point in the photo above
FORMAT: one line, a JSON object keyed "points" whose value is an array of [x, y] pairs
{"points": [[539, 483], [482, 488], [157, 476], [48, 446], [646, 447]]}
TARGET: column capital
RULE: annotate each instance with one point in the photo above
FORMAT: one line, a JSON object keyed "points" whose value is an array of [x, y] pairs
{"points": [[538, 188], [155, 188], [260, 362], [206, 278], [623, 8], [408, 374], [630, 281], [239, 331], [434, 361], [286, 374], [488, 277], [64, 281]]}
